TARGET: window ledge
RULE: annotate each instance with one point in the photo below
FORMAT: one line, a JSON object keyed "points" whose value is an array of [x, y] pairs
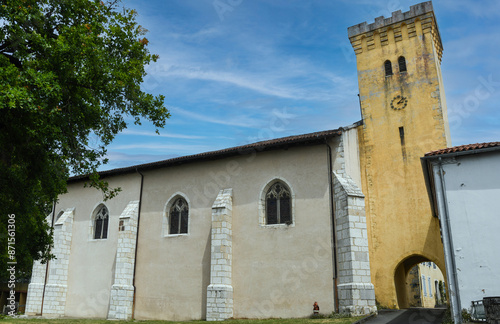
{"points": [[97, 240], [277, 225], [176, 235]]}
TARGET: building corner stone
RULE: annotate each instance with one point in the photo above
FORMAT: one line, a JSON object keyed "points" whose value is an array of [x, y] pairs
{"points": [[54, 300], [220, 290], [355, 290], [122, 290]]}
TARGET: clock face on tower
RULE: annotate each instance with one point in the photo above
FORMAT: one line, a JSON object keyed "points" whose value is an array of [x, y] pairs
{"points": [[399, 102]]}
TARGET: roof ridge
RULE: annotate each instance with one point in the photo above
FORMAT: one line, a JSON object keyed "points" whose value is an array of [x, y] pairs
{"points": [[231, 151], [463, 148]]}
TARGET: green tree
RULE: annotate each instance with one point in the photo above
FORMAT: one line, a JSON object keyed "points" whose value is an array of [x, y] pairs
{"points": [[70, 71]]}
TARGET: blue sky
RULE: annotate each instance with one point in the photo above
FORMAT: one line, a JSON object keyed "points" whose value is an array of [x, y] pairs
{"points": [[235, 72]]}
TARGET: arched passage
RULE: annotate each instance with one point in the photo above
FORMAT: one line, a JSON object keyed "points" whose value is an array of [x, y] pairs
{"points": [[420, 287]]}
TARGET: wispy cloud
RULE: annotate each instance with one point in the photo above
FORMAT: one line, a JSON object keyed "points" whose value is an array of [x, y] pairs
{"points": [[249, 82], [479, 9], [199, 35], [289, 82], [156, 147], [153, 134], [239, 121], [121, 159], [114, 156]]}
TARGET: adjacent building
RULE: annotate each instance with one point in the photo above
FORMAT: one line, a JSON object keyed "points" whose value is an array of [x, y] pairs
{"points": [[426, 286], [464, 184]]}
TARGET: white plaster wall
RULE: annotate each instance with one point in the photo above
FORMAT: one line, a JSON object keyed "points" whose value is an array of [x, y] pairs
{"points": [[173, 272], [92, 262], [277, 271], [473, 192], [282, 271], [351, 154]]}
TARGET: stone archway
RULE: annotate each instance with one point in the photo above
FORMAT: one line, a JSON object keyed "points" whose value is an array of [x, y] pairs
{"points": [[401, 276], [419, 282]]}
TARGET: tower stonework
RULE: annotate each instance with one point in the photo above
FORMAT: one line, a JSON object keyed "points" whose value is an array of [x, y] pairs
{"points": [[404, 115]]}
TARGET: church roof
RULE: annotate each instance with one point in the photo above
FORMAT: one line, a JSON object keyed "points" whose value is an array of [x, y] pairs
{"points": [[273, 144], [473, 148]]}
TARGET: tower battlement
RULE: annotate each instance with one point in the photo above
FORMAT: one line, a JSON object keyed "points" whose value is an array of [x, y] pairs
{"points": [[397, 16], [422, 14]]}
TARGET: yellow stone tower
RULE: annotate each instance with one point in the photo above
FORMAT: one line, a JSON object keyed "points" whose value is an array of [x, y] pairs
{"points": [[404, 116]]}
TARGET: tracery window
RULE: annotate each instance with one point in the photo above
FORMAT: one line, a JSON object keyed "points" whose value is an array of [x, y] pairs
{"points": [[402, 64], [278, 205], [101, 221], [388, 68], [179, 217]]}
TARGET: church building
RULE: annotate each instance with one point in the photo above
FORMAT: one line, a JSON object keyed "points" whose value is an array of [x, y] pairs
{"points": [[337, 217]]}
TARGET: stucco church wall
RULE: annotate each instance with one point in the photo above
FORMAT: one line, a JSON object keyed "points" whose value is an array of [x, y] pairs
{"points": [[173, 271], [91, 264], [278, 271]]}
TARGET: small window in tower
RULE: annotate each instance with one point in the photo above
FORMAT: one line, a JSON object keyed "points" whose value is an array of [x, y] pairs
{"points": [[388, 68], [402, 64]]}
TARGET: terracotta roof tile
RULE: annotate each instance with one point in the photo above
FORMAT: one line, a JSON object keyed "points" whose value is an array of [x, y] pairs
{"points": [[463, 148]]}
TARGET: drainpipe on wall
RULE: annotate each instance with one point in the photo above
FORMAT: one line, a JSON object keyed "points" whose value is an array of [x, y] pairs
{"points": [[47, 266], [451, 269], [137, 239], [334, 236]]}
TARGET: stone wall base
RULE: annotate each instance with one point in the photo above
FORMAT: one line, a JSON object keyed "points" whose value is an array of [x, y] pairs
{"points": [[121, 302], [34, 301], [55, 300], [357, 299], [219, 302]]}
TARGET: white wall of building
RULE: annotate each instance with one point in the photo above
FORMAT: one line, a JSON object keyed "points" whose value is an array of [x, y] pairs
{"points": [[92, 262], [472, 185], [277, 271], [274, 270]]}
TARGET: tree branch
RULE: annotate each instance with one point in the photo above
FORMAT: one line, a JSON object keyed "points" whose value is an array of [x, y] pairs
{"points": [[13, 60]]}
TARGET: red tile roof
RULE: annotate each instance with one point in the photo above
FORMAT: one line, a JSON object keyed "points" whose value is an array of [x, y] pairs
{"points": [[463, 148]]}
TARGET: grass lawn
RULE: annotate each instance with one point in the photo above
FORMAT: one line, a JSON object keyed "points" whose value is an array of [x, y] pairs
{"points": [[348, 320]]}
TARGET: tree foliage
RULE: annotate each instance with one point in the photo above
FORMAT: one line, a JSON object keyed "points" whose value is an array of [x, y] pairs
{"points": [[70, 72]]}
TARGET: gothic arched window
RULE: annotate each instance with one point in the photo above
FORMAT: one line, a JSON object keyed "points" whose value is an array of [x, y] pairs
{"points": [[278, 205], [402, 64], [179, 217], [388, 68], [101, 220]]}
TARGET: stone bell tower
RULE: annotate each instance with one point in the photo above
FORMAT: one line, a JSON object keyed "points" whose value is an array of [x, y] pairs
{"points": [[404, 116]]}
